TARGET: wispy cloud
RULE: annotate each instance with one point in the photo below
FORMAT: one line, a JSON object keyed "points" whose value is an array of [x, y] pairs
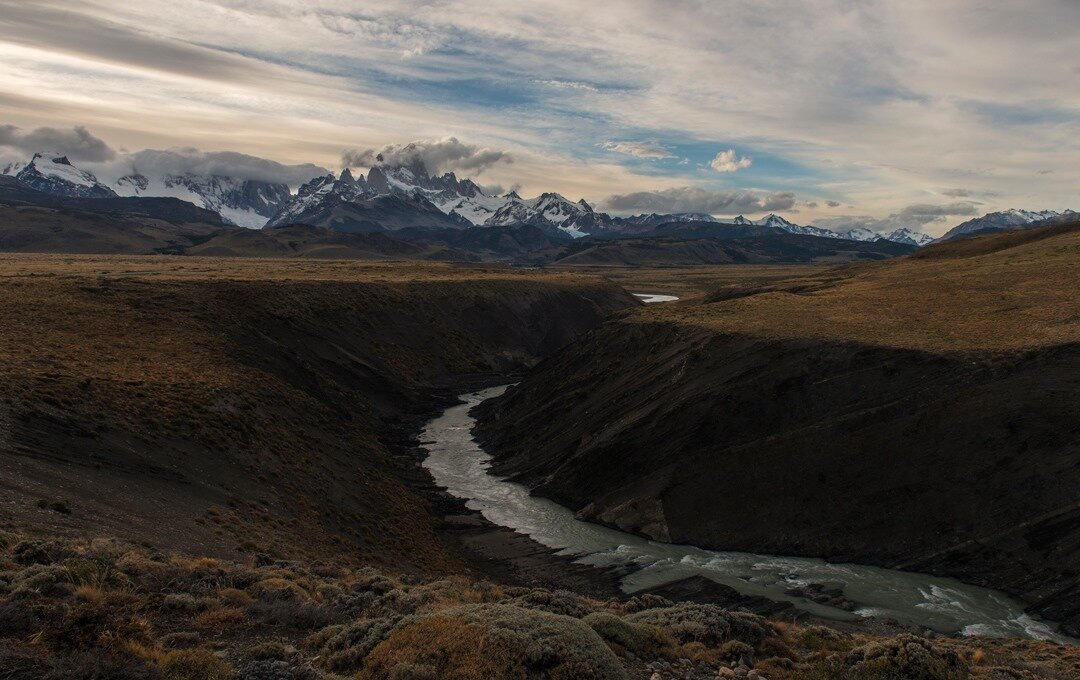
{"points": [[694, 199], [639, 149], [879, 103]]}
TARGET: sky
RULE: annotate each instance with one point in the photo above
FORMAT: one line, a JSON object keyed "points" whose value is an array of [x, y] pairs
{"points": [[838, 113]]}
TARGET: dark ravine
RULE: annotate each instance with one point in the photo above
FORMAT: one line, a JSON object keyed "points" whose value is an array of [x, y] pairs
{"points": [[739, 443], [254, 416]]}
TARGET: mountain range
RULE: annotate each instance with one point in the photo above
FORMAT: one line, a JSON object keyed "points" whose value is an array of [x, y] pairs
{"points": [[394, 197]]}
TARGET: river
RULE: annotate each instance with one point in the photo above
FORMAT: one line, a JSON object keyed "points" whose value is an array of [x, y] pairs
{"points": [[946, 605]]}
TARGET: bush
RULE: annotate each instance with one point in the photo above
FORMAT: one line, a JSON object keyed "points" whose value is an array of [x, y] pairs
{"points": [[344, 648], [194, 664], [413, 671], [495, 641], [640, 639], [557, 602], [274, 589], [302, 616], [275, 670], [906, 656], [705, 623], [40, 552], [267, 651]]}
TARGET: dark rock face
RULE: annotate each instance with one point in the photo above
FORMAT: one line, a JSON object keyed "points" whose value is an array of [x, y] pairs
{"points": [[948, 465]]}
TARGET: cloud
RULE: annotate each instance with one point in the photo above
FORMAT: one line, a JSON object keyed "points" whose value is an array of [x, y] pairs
{"points": [[957, 193], [694, 199], [915, 216], [438, 156], [639, 149], [226, 163], [832, 204], [726, 161], [77, 143]]}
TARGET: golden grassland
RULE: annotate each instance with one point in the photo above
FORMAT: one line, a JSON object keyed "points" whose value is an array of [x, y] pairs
{"points": [[963, 297], [696, 281]]}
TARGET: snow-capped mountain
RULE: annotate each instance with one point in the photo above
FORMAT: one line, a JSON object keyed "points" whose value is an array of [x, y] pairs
{"points": [[53, 173], [377, 202], [243, 202], [462, 201], [1004, 221], [909, 236], [777, 222]]}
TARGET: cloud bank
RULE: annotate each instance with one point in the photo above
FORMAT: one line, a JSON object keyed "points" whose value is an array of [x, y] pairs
{"points": [[438, 156], [695, 199], [916, 216], [76, 143]]}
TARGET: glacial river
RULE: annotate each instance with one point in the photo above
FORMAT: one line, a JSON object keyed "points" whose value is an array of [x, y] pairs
{"points": [[458, 463]]}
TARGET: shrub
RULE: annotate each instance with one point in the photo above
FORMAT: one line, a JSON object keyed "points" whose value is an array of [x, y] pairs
{"points": [[905, 656], [705, 623], [556, 602], [187, 603], [823, 638], [639, 638], [267, 651], [344, 648], [40, 552], [275, 670], [273, 589], [640, 603], [220, 619], [413, 671], [496, 640], [303, 616], [194, 664], [235, 597]]}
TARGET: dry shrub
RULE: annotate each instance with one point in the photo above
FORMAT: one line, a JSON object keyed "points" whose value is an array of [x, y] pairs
{"points": [[641, 639], [272, 589], [267, 651], [235, 597], [705, 623], [905, 656], [220, 619], [194, 664], [452, 648], [498, 641]]}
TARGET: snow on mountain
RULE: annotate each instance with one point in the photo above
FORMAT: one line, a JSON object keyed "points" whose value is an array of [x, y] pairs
{"points": [[861, 234], [1003, 221], [777, 222], [656, 219], [908, 236], [54, 174], [245, 203]]}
